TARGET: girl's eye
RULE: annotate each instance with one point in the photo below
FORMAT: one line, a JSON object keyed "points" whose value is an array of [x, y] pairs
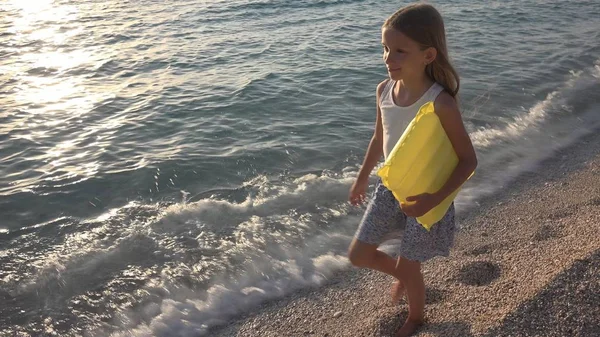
{"points": [[400, 51]]}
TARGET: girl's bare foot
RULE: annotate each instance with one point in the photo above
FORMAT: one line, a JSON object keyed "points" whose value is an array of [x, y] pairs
{"points": [[398, 292], [409, 327]]}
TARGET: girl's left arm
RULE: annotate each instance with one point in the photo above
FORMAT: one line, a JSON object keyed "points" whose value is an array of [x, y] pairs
{"points": [[447, 110], [449, 115]]}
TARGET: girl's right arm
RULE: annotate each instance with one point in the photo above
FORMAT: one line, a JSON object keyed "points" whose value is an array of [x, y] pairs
{"points": [[374, 152]]}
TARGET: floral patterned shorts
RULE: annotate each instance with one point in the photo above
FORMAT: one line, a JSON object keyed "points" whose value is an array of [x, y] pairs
{"points": [[384, 220]]}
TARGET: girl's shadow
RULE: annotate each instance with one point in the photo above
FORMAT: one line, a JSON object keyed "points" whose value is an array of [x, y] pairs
{"points": [[447, 329], [390, 325]]}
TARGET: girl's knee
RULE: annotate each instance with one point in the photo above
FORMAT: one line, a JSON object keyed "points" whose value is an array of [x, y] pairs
{"points": [[362, 261], [361, 254], [358, 259]]}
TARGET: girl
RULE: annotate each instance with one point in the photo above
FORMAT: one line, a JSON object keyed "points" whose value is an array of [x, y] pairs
{"points": [[414, 51]]}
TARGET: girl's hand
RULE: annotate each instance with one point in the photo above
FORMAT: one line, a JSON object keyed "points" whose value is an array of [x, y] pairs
{"points": [[358, 192], [419, 204]]}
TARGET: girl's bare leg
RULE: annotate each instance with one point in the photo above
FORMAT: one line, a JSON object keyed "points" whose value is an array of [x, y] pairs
{"points": [[415, 293], [367, 256], [398, 291]]}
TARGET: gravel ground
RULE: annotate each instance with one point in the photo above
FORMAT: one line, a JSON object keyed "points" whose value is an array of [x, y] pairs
{"points": [[525, 264], [552, 312]]}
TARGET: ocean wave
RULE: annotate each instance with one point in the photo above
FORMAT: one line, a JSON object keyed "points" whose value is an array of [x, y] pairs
{"points": [[188, 314], [263, 248], [266, 199], [567, 114], [575, 88]]}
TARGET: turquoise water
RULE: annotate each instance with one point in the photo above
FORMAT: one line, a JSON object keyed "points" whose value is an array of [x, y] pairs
{"points": [[160, 162]]}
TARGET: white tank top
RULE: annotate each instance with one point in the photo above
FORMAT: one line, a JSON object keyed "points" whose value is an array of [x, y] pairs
{"points": [[396, 118]]}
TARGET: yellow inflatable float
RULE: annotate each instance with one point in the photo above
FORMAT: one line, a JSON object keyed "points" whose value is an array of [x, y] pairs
{"points": [[421, 162]]}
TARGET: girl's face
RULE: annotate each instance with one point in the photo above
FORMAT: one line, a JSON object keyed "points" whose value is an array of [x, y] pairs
{"points": [[403, 57]]}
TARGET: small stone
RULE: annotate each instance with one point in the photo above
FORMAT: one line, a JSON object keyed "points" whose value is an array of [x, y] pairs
{"points": [[337, 314]]}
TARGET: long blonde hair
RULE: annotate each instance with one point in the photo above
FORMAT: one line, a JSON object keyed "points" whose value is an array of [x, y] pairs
{"points": [[424, 24]]}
